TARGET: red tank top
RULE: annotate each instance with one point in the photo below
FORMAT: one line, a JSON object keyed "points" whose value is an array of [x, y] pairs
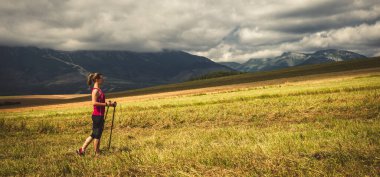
{"points": [[99, 110]]}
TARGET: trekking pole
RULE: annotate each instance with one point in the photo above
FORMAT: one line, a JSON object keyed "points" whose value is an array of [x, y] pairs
{"points": [[113, 116], [106, 112]]}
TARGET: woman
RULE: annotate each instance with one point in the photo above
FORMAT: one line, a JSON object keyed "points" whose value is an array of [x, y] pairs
{"points": [[99, 103]]}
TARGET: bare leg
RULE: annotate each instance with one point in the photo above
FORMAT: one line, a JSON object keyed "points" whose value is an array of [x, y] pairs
{"points": [[87, 142], [99, 146], [96, 146]]}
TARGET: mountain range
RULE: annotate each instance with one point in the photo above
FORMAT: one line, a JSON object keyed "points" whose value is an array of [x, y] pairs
{"points": [[289, 59], [32, 70]]}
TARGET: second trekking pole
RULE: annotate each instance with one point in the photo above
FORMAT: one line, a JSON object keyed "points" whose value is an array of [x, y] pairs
{"points": [[106, 113], [113, 116]]}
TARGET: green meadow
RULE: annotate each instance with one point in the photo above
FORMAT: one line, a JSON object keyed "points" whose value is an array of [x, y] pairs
{"points": [[309, 128]]}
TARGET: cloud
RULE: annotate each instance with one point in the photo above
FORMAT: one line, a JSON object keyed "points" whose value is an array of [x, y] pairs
{"points": [[364, 38], [222, 30]]}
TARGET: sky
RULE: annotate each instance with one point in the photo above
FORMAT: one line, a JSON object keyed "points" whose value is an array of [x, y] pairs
{"points": [[222, 30]]}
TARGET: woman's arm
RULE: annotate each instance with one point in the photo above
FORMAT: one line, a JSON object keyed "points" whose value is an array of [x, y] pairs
{"points": [[95, 95]]}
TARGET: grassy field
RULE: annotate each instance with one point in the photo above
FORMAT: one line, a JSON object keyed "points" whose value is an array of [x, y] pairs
{"points": [[329, 126]]}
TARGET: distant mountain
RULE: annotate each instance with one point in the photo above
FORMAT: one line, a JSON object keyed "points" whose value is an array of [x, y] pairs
{"points": [[233, 65], [289, 59], [323, 56], [31, 70]]}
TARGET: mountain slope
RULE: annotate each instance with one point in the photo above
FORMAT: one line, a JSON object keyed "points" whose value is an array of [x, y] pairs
{"points": [[31, 70], [233, 65], [289, 59], [331, 55]]}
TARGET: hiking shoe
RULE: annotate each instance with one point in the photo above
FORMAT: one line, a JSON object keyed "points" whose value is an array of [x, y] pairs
{"points": [[80, 152]]}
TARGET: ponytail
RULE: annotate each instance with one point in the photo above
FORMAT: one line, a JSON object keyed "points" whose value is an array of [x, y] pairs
{"points": [[91, 78]]}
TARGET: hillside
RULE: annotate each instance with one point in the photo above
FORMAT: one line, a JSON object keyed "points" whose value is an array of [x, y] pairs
{"points": [[31, 70], [262, 76], [233, 65], [309, 126], [284, 74]]}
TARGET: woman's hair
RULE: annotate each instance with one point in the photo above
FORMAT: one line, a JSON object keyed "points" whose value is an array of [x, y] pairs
{"points": [[91, 78]]}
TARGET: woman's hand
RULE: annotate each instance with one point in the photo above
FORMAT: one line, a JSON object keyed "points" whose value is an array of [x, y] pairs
{"points": [[111, 104]]}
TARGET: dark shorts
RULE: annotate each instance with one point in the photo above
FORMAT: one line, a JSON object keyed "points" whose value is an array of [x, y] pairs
{"points": [[97, 126]]}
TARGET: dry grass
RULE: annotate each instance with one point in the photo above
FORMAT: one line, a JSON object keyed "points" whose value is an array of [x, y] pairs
{"points": [[313, 126]]}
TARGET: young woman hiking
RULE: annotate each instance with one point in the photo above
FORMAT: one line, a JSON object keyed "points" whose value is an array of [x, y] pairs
{"points": [[99, 103]]}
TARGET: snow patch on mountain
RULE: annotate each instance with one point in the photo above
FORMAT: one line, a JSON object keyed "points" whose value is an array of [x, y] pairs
{"points": [[289, 59]]}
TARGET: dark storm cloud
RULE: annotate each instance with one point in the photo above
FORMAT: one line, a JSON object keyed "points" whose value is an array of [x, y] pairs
{"points": [[328, 15], [324, 8], [218, 29]]}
